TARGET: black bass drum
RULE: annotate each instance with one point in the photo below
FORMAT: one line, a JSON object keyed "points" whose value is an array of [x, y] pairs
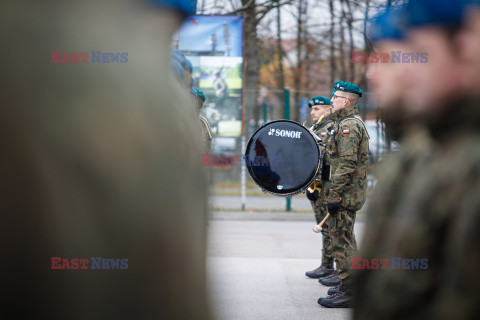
{"points": [[283, 157]]}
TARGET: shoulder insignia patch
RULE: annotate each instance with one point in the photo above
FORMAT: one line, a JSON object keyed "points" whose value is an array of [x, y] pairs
{"points": [[346, 131]]}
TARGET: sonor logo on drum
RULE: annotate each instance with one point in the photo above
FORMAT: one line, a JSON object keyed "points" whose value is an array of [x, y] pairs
{"points": [[285, 133]]}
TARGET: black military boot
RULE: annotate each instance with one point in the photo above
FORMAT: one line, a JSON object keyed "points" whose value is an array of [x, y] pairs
{"points": [[333, 290], [343, 298], [334, 274], [324, 270], [331, 280]]}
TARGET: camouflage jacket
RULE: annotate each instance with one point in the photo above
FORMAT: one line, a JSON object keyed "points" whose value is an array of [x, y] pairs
{"points": [[425, 207], [324, 132], [347, 153], [323, 129], [206, 134]]}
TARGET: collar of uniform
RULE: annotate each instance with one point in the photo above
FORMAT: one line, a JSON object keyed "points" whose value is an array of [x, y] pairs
{"points": [[347, 111], [324, 123]]}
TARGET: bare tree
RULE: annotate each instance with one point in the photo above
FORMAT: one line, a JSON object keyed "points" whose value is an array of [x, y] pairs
{"points": [[339, 36], [202, 7], [368, 47], [343, 67], [281, 73], [333, 66], [253, 13], [349, 19], [251, 56], [300, 48]]}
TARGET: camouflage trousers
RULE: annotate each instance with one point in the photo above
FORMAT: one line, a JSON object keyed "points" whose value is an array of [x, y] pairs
{"points": [[320, 213], [344, 245]]}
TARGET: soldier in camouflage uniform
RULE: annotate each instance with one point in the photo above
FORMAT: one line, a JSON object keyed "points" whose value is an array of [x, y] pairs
{"points": [[347, 152], [430, 211], [182, 69], [94, 158], [322, 127], [206, 131]]}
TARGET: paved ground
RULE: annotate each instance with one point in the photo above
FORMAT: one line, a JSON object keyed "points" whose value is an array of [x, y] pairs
{"points": [[256, 267], [261, 203], [267, 202]]}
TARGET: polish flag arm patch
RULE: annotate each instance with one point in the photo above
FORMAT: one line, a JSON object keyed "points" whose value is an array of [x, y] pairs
{"points": [[323, 134], [346, 131]]}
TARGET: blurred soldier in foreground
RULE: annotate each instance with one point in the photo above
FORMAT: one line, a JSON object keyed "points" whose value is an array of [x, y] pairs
{"points": [[320, 110], [429, 229], [347, 151], [390, 82], [94, 156]]}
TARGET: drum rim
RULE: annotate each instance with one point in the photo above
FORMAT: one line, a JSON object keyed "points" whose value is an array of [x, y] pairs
{"points": [[301, 190]]}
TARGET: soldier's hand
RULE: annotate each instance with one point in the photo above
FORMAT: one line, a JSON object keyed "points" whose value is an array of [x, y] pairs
{"points": [[313, 196], [333, 208]]}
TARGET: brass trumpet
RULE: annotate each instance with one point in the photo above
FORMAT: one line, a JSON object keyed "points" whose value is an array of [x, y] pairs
{"points": [[316, 185], [316, 124]]}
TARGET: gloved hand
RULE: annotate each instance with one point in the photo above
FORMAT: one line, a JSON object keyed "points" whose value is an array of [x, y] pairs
{"points": [[313, 196], [333, 208]]}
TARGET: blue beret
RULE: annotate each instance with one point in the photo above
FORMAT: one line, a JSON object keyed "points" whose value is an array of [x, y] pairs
{"points": [[436, 12], [187, 7], [348, 87], [200, 94], [319, 101], [389, 24], [193, 91]]}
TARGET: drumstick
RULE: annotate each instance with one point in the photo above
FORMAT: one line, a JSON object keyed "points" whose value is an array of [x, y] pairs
{"points": [[318, 228]]}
